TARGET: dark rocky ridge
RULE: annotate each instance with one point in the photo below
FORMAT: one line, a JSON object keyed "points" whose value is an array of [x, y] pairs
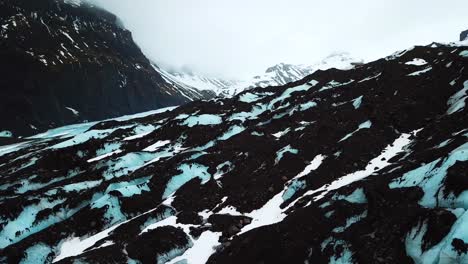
{"points": [[359, 166], [464, 35], [57, 55]]}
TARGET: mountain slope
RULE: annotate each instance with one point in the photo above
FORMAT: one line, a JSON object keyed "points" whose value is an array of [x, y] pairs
{"points": [[69, 62], [464, 35], [366, 165]]}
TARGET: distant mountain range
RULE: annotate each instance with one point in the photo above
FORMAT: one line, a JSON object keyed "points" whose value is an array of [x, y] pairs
{"points": [[276, 75]]}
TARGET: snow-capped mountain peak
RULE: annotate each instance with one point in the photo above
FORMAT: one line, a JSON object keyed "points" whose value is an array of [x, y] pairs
{"points": [[279, 74]]}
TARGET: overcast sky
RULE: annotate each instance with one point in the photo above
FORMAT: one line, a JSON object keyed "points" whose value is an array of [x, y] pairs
{"points": [[241, 38]]}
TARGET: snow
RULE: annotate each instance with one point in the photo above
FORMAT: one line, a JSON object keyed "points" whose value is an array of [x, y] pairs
{"points": [[73, 110], [203, 120], [281, 133], [313, 165], [370, 78], [271, 213], [457, 101], [374, 165], [417, 62], [219, 169], [417, 73], [75, 246], [157, 145], [201, 250], [333, 84]]}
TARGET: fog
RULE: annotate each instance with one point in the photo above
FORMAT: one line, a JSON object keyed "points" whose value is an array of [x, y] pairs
{"points": [[241, 38]]}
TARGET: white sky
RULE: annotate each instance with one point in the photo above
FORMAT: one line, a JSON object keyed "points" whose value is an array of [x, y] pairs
{"points": [[241, 38]]}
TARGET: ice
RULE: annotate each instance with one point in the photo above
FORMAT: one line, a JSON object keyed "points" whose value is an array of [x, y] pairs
{"points": [[111, 205], [83, 137], [357, 196], [108, 150], [293, 188], [141, 131], [430, 177], [23, 226], [71, 130], [306, 106], [37, 254], [417, 62], [417, 73], [287, 93], [201, 250], [128, 163], [76, 187], [281, 152], [203, 120], [346, 257], [250, 97], [457, 101], [350, 221], [234, 130], [443, 252], [157, 145], [357, 102], [464, 53], [189, 171], [257, 110], [6, 133], [364, 125], [171, 254]]}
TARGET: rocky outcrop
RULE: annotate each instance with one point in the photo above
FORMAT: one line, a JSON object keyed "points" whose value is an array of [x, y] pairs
{"points": [[464, 35], [69, 62]]}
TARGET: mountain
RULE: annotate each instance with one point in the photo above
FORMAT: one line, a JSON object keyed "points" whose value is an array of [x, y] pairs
{"points": [[464, 35], [276, 75], [65, 62], [367, 165]]}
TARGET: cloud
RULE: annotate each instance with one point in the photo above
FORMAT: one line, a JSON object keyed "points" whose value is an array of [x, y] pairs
{"points": [[242, 38]]}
